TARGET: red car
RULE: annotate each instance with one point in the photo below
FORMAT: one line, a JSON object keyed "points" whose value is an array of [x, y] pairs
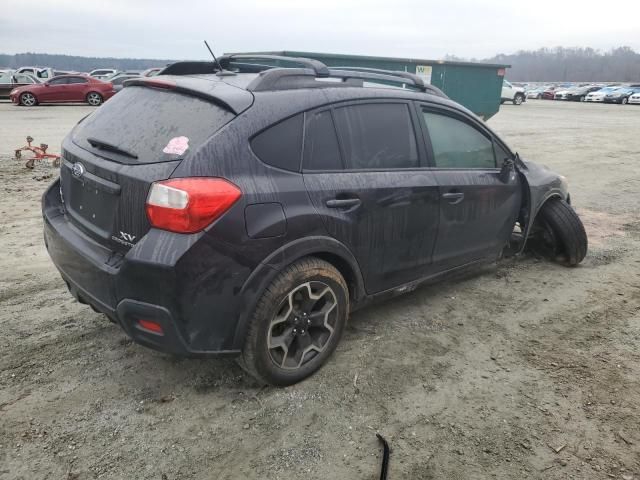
{"points": [[549, 93], [64, 88]]}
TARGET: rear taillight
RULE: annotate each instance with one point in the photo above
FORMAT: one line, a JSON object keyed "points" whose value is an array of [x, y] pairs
{"points": [[188, 205]]}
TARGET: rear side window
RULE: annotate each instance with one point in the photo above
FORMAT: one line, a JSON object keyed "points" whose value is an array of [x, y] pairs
{"points": [[321, 149], [151, 124], [72, 80], [457, 144], [377, 136], [281, 144]]}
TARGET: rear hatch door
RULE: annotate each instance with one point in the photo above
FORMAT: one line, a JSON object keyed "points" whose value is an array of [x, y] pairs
{"points": [[138, 137]]}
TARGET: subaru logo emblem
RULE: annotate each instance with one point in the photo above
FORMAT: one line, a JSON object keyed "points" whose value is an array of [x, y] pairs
{"points": [[77, 169]]}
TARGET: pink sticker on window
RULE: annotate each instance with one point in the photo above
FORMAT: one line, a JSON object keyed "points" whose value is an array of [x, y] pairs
{"points": [[177, 146]]}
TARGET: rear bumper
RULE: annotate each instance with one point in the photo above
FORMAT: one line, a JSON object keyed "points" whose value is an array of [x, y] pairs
{"points": [[198, 315]]}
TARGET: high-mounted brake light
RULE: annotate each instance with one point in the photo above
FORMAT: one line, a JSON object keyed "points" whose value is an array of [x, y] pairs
{"points": [[188, 205]]}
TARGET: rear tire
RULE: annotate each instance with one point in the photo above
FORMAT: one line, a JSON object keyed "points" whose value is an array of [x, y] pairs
{"points": [[297, 323], [563, 235], [94, 99], [518, 99], [624, 101]]}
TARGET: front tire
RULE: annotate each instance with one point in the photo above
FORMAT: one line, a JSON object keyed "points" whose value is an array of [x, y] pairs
{"points": [[28, 99], [562, 236], [94, 99], [518, 99], [297, 323], [624, 101]]}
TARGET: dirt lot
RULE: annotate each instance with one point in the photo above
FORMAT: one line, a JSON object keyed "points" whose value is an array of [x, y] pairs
{"points": [[525, 370]]}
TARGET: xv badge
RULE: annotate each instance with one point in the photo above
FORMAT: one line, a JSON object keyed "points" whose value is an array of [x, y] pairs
{"points": [[127, 236]]}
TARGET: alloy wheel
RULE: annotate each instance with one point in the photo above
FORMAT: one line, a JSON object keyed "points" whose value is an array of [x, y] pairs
{"points": [[28, 99], [303, 325], [94, 99]]}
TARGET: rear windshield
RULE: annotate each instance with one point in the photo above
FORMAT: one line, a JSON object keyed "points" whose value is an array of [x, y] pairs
{"points": [[149, 125]]}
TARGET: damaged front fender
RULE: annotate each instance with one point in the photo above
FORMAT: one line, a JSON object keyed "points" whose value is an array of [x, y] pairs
{"points": [[539, 185]]}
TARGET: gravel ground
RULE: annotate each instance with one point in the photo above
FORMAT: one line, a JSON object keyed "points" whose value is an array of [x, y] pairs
{"points": [[523, 370]]}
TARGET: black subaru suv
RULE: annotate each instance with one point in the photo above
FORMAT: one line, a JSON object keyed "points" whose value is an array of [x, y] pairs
{"points": [[234, 208]]}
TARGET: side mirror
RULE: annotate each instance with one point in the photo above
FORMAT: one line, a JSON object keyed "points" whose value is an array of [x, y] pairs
{"points": [[46, 84], [508, 171]]}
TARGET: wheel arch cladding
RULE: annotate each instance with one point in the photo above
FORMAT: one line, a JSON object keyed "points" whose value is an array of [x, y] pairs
{"points": [[345, 269], [325, 248]]}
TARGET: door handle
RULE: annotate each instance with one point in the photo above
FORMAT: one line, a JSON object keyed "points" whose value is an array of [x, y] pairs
{"points": [[343, 203], [453, 197]]}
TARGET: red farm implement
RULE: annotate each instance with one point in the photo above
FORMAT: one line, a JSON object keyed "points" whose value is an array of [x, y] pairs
{"points": [[39, 154]]}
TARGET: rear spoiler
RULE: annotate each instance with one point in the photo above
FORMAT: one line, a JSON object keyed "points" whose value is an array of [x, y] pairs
{"points": [[231, 98]]}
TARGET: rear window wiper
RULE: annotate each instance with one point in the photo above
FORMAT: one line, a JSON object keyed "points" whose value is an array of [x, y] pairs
{"points": [[111, 148]]}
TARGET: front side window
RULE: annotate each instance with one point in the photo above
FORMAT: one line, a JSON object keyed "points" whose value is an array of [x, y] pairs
{"points": [[457, 144], [377, 136]]}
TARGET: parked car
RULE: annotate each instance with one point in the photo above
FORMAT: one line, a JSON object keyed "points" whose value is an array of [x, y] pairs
{"points": [[536, 92], [621, 95], [579, 94], [41, 73], [118, 80], [151, 72], [598, 95], [512, 94], [215, 227], [122, 73], [549, 93], [634, 99], [102, 73], [65, 88], [562, 94], [15, 80]]}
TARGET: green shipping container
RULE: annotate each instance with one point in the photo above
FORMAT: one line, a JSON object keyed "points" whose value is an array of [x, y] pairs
{"points": [[477, 86]]}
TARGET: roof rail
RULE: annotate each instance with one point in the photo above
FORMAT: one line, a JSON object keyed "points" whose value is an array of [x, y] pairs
{"points": [[283, 78], [396, 76], [319, 68], [417, 81]]}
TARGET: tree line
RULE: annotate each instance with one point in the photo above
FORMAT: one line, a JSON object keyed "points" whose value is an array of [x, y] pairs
{"points": [[76, 63], [562, 64]]}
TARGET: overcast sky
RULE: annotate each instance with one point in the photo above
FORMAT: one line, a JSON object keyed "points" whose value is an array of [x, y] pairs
{"points": [[174, 29]]}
